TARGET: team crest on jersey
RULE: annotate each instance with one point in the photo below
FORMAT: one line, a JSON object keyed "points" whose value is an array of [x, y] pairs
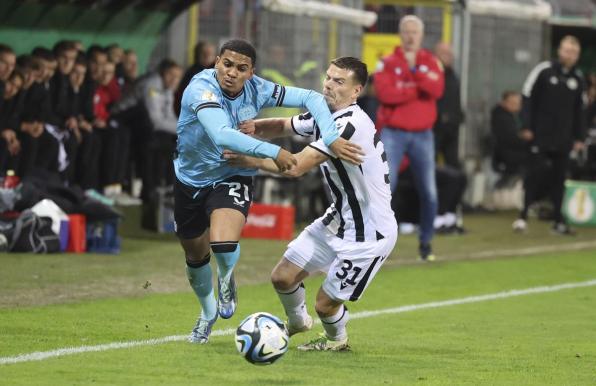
{"points": [[423, 68], [572, 83], [553, 80], [209, 96], [398, 70], [246, 113]]}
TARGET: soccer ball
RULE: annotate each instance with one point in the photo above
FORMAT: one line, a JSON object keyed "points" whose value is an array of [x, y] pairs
{"points": [[262, 338]]}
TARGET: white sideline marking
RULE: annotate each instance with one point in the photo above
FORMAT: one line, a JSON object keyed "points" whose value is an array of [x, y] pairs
{"points": [[42, 355]]}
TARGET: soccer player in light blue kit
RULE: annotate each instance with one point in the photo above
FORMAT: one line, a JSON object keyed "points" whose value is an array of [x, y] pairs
{"points": [[212, 198]]}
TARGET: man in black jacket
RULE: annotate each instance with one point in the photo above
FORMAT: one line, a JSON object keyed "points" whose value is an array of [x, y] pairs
{"points": [[39, 148], [10, 146], [7, 65], [449, 112], [511, 143], [204, 57], [553, 109]]}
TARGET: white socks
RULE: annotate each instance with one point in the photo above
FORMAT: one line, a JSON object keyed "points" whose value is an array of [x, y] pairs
{"points": [[335, 326], [294, 304]]}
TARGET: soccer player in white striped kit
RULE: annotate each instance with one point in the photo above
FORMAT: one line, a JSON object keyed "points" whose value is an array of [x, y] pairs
{"points": [[358, 231]]}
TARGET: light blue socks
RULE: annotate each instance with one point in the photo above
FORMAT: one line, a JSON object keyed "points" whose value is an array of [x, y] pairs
{"points": [[200, 279], [227, 254]]}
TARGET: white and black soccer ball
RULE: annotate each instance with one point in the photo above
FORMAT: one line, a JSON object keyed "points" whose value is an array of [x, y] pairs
{"points": [[262, 338]]}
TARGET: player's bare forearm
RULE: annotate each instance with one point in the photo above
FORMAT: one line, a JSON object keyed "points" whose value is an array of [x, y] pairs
{"points": [[306, 160], [272, 127], [246, 161]]}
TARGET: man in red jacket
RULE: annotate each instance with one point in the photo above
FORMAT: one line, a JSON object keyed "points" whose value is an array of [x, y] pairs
{"points": [[408, 85]]}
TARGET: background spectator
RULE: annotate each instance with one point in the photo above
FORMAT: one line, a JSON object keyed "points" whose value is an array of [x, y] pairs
{"points": [[553, 109], [408, 86], [449, 111], [130, 70], [10, 146], [511, 143], [204, 57]]}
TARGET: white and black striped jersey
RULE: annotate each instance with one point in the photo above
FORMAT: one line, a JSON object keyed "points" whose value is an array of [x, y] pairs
{"points": [[362, 208]]}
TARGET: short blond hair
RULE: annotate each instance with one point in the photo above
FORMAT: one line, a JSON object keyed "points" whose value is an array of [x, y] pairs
{"points": [[570, 39], [411, 18]]}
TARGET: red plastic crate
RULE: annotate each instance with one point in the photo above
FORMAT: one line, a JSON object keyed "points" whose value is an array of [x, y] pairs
{"points": [[270, 222], [77, 233]]}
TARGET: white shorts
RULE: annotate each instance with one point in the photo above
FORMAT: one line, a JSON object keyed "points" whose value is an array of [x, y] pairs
{"points": [[350, 266]]}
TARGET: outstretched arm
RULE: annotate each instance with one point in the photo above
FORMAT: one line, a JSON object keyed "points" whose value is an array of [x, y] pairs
{"points": [[273, 127], [315, 103], [215, 122], [307, 159]]}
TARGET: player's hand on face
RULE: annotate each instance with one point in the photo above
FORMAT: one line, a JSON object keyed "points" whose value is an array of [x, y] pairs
{"points": [[85, 125], [247, 127], [347, 151], [285, 160], [14, 145]]}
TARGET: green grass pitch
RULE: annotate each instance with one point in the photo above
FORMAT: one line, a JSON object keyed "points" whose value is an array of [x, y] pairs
{"points": [[543, 338]]}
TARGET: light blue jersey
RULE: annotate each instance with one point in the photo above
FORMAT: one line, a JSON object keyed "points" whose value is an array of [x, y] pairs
{"points": [[209, 121]]}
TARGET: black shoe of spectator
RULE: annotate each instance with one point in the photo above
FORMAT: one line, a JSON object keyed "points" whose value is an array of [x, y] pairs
{"points": [[560, 228], [459, 230], [450, 230], [426, 252], [444, 230]]}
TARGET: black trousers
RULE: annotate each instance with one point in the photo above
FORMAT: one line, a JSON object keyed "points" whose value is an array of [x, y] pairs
{"points": [[37, 153], [158, 167], [87, 161], [447, 143], [545, 175], [451, 185]]}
